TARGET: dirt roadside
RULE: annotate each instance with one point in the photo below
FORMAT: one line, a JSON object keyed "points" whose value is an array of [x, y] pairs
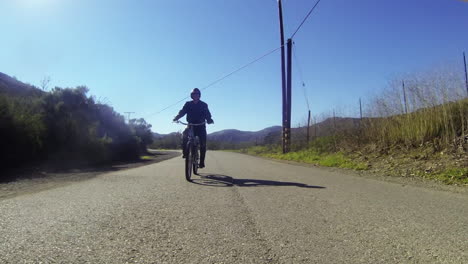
{"points": [[33, 180]]}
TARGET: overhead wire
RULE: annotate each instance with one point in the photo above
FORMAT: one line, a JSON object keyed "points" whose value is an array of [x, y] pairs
{"points": [[301, 76], [220, 79], [241, 68], [310, 12], [246, 65]]}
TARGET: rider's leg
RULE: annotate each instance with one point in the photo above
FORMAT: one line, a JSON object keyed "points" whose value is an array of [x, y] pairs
{"points": [[201, 133]]}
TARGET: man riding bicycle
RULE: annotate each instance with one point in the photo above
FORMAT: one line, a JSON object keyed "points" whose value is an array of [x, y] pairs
{"points": [[197, 112]]}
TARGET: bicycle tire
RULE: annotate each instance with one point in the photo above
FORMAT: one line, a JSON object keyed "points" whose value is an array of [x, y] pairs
{"points": [[196, 152], [195, 160], [188, 162]]}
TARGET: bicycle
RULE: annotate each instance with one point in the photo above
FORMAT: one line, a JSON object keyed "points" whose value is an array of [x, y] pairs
{"points": [[191, 150]]}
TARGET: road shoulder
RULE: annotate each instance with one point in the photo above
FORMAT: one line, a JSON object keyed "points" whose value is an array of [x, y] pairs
{"points": [[402, 180], [36, 180]]}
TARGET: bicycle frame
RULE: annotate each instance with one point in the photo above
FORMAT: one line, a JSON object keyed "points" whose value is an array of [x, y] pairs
{"points": [[191, 150]]}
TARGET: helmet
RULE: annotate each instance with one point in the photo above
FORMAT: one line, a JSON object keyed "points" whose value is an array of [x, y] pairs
{"points": [[195, 91]]}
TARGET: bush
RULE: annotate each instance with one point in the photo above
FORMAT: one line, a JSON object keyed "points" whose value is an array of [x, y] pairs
{"points": [[67, 126]]}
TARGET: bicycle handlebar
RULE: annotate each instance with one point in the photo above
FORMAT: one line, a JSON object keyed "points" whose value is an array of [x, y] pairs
{"points": [[189, 124]]}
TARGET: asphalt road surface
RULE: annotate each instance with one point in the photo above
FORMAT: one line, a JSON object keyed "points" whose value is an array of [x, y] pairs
{"points": [[242, 210]]}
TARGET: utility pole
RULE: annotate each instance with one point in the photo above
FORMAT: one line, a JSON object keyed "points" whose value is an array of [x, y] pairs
{"points": [[360, 122], [308, 129], [360, 108], [128, 115], [466, 74], [404, 97], [360, 114], [334, 129], [283, 78], [288, 95], [315, 127]]}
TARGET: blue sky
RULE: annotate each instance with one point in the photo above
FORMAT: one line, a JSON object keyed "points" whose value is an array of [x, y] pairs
{"points": [[143, 56]]}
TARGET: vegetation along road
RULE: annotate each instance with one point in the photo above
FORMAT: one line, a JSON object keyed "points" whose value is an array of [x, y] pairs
{"points": [[242, 210]]}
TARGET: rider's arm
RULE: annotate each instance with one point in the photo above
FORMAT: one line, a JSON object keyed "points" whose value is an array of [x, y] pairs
{"points": [[182, 112], [208, 115]]}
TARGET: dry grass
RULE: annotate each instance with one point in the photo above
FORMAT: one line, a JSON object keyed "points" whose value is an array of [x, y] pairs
{"points": [[437, 112], [429, 115]]}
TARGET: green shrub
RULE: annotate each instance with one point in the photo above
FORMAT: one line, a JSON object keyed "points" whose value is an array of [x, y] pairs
{"points": [[65, 126]]}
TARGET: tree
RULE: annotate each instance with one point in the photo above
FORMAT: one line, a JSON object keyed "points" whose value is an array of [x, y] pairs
{"points": [[142, 131]]}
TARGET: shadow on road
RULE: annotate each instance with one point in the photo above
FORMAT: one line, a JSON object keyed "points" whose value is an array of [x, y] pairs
{"points": [[217, 180]]}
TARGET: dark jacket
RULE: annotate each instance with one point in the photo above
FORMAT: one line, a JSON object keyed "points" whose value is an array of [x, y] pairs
{"points": [[196, 112]]}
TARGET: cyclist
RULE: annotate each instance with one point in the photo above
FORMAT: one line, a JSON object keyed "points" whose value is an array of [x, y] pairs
{"points": [[197, 112]]}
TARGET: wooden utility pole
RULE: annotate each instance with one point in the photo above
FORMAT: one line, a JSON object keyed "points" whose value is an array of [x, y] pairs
{"points": [[360, 115], [308, 129], [334, 129], [283, 78], [360, 122], [466, 74], [360, 108], [404, 97], [315, 127], [288, 95]]}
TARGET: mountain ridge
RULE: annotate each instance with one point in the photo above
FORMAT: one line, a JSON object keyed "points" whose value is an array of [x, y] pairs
{"points": [[233, 135]]}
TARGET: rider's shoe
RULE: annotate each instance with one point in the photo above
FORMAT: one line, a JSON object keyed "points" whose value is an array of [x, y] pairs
{"points": [[201, 165]]}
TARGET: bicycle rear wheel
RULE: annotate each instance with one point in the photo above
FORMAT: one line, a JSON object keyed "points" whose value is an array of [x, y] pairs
{"points": [[188, 162]]}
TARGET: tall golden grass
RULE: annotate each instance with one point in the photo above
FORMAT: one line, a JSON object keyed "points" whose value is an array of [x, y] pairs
{"points": [[435, 111], [437, 106]]}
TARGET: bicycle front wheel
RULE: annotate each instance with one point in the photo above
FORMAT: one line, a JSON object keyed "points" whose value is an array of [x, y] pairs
{"points": [[188, 162], [195, 160], [196, 155]]}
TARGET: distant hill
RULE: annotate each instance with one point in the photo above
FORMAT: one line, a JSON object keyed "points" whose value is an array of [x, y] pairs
{"points": [[232, 135], [220, 139], [237, 136], [11, 86], [159, 136], [329, 125], [273, 134]]}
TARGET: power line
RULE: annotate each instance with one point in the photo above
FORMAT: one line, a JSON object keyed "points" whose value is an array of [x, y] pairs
{"points": [[310, 12], [168, 107], [220, 79], [301, 76], [244, 66], [241, 68]]}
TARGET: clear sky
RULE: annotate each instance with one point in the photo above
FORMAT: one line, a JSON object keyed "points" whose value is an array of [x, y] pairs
{"points": [[142, 56]]}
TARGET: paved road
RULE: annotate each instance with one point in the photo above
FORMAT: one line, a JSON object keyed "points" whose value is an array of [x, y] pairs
{"points": [[243, 210]]}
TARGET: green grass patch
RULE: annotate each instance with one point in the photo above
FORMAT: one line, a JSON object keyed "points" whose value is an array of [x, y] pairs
{"points": [[339, 160], [147, 157], [452, 176]]}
